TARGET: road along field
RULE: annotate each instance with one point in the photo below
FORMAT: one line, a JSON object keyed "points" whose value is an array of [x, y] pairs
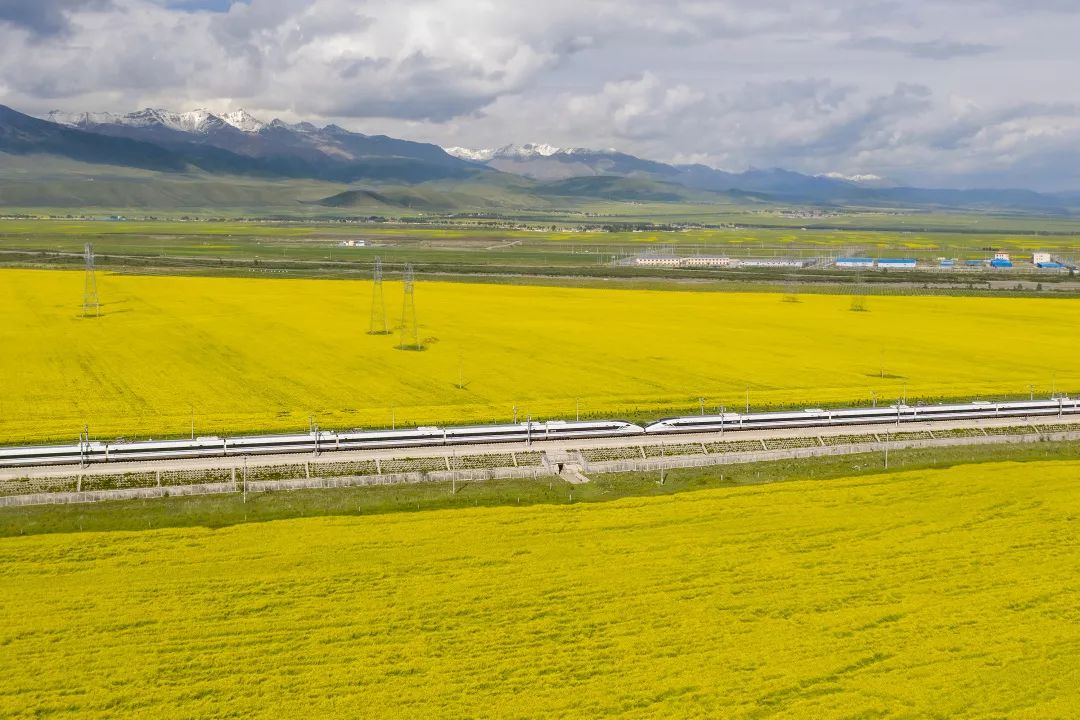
{"points": [[925, 593], [230, 355]]}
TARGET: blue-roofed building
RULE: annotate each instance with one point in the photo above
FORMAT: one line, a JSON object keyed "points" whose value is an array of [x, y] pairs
{"points": [[1001, 263], [948, 263], [1050, 266]]}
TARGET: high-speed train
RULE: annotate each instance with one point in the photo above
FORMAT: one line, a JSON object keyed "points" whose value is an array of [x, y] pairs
{"points": [[313, 442], [320, 441], [864, 416]]}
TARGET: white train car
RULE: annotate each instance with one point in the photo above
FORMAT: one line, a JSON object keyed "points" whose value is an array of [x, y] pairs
{"points": [[319, 441], [865, 416]]}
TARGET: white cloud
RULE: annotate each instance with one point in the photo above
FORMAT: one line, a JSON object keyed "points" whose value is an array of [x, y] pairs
{"points": [[944, 91]]}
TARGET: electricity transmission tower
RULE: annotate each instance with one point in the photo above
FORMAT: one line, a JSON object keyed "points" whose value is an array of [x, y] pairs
{"points": [[378, 306], [858, 298], [791, 293], [410, 331], [90, 295]]}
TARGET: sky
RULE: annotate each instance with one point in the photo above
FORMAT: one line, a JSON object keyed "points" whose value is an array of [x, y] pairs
{"points": [[943, 93]]}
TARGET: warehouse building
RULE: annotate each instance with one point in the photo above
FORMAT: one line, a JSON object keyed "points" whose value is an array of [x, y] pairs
{"points": [[854, 262], [896, 263]]}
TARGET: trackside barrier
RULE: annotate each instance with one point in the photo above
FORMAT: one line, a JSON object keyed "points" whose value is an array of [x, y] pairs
{"points": [[297, 476], [688, 461], [299, 483]]}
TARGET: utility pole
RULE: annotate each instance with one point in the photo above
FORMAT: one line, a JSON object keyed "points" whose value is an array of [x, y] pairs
{"points": [[747, 399], [84, 446], [701, 402], [662, 457], [192, 422], [577, 409]]}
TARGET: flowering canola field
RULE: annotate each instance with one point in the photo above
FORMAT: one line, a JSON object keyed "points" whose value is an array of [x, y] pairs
{"points": [[238, 354], [935, 593]]}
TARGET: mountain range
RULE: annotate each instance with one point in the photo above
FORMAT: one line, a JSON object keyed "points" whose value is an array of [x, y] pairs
{"points": [[236, 144]]}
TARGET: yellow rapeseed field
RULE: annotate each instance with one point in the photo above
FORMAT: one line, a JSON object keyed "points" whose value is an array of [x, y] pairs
{"points": [[265, 354], [936, 593]]}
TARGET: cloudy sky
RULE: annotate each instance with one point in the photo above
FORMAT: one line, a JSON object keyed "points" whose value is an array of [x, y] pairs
{"points": [[929, 92]]}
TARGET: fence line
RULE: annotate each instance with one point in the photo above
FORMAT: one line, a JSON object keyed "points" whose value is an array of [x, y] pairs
{"points": [[299, 483], [688, 461]]}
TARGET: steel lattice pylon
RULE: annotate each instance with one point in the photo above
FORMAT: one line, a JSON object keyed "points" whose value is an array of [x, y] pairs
{"points": [[410, 330], [378, 305], [90, 294]]}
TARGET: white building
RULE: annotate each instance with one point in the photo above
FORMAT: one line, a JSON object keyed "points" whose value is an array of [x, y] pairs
{"points": [[774, 263], [707, 261], [854, 262], [658, 261], [1041, 257]]}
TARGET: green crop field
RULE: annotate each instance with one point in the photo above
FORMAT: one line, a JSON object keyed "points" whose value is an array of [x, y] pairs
{"points": [[929, 593], [315, 240], [232, 354]]}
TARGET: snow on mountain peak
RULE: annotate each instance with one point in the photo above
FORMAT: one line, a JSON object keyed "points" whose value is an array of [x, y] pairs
{"points": [[534, 149], [193, 121], [243, 120], [528, 150], [81, 118], [862, 179], [464, 153]]}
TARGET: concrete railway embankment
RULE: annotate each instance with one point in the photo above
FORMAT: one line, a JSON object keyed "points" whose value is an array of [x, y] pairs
{"points": [[572, 461]]}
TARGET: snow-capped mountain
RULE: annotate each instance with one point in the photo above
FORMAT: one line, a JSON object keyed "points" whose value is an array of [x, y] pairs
{"points": [[243, 120], [864, 179], [482, 155], [235, 143], [192, 121], [547, 162], [72, 119], [541, 161], [518, 152], [275, 147]]}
